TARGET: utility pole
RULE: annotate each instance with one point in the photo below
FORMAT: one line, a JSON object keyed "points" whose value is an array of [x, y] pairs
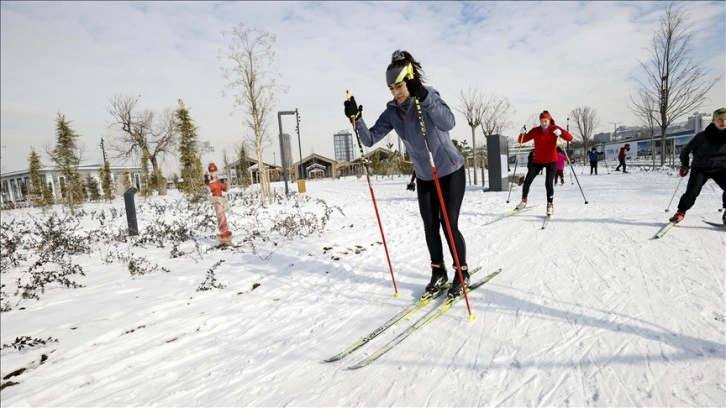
{"points": [[615, 130], [299, 146]]}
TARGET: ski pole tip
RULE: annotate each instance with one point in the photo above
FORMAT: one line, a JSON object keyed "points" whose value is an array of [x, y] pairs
{"points": [[472, 316], [396, 294]]}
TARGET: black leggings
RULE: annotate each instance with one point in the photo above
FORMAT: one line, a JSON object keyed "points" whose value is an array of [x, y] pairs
{"points": [[452, 190], [535, 168], [696, 181]]}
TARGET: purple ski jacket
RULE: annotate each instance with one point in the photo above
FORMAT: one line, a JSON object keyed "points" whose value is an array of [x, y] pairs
{"points": [[439, 120]]}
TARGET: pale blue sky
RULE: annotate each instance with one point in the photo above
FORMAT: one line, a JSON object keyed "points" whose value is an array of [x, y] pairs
{"points": [[72, 57]]}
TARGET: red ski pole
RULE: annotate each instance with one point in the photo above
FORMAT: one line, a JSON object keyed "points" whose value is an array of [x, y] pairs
{"points": [[373, 198]]}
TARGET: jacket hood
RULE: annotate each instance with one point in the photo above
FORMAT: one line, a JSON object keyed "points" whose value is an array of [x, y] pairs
{"points": [[714, 135]]}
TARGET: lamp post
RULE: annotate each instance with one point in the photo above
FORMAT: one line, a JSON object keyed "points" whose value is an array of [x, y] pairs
{"points": [[299, 146], [615, 130], [283, 154]]}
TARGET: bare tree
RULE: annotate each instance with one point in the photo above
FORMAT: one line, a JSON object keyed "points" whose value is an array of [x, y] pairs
{"points": [[142, 133], [674, 84], [645, 110], [472, 107], [533, 121], [248, 67], [225, 160], [586, 121], [204, 148], [495, 116]]}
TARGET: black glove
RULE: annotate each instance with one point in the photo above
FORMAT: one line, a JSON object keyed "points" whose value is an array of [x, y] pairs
{"points": [[352, 109], [416, 89], [411, 186]]}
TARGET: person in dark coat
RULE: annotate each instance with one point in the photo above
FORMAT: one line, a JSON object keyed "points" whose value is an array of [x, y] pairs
{"points": [[593, 156], [709, 162]]}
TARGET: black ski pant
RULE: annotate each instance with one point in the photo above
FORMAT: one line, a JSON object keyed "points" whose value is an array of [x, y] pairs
{"points": [[593, 166], [622, 163], [452, 190], [550, 169], [696, 181]]}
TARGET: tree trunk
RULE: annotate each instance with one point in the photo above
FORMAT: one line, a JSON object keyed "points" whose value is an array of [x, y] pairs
{"points": [[473, 149], [662, 145]]}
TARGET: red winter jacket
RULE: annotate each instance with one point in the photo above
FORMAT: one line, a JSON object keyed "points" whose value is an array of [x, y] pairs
{"points": [[545, 142], [216, 187], [622, 153]]}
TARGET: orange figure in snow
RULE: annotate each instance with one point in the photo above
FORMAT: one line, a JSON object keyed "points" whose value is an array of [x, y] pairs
{"points": [[220, 203]]}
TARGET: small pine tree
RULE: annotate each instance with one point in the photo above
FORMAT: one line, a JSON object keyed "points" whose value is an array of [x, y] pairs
{"points": [[191, 165], [126, 180], [376, 163], [92, 187], [37, 181], [105, 174], [67, 161], [79, 188], [48, 194], [243, 167]]}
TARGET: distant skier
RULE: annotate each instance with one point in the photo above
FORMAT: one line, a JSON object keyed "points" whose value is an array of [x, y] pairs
{"points": [[545, 156], [561, 160], [621, 157], [401, 115], [593, 156], [709, 162], [224, 237]]}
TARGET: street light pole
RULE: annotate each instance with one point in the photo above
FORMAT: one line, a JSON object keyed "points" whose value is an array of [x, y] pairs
{"points": [[299, 146], [615, 130], [283, 154]]}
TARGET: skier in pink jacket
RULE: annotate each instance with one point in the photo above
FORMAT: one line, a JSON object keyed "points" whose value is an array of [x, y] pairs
{"points": [[561, 159]]}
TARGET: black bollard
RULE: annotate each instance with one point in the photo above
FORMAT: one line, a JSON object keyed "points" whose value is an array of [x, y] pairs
{"points": [[131, 211]]}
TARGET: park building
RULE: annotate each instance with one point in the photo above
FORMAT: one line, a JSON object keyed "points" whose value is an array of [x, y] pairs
{"points": [[16, 184]]}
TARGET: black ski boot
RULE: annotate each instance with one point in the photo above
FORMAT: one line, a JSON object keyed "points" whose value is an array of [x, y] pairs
{"points": [[456, 288], [438, 279]]}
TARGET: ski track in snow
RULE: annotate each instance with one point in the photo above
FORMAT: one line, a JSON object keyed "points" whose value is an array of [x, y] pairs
{"points": [[590, 311]]}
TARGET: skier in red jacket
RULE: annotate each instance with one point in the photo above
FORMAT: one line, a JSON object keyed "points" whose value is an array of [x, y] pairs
{"points": [[621, 157], [545, 156]]}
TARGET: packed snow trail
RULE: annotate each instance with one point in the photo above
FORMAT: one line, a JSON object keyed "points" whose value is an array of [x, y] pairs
{"points": [[590, 311]]}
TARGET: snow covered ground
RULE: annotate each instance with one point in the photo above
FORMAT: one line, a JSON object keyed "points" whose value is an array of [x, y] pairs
{"points": [[589, 312]]}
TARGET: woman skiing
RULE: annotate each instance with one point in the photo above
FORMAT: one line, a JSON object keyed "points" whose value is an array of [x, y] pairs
{"points": [[401, 115], [545, 156], [709, 162]]}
